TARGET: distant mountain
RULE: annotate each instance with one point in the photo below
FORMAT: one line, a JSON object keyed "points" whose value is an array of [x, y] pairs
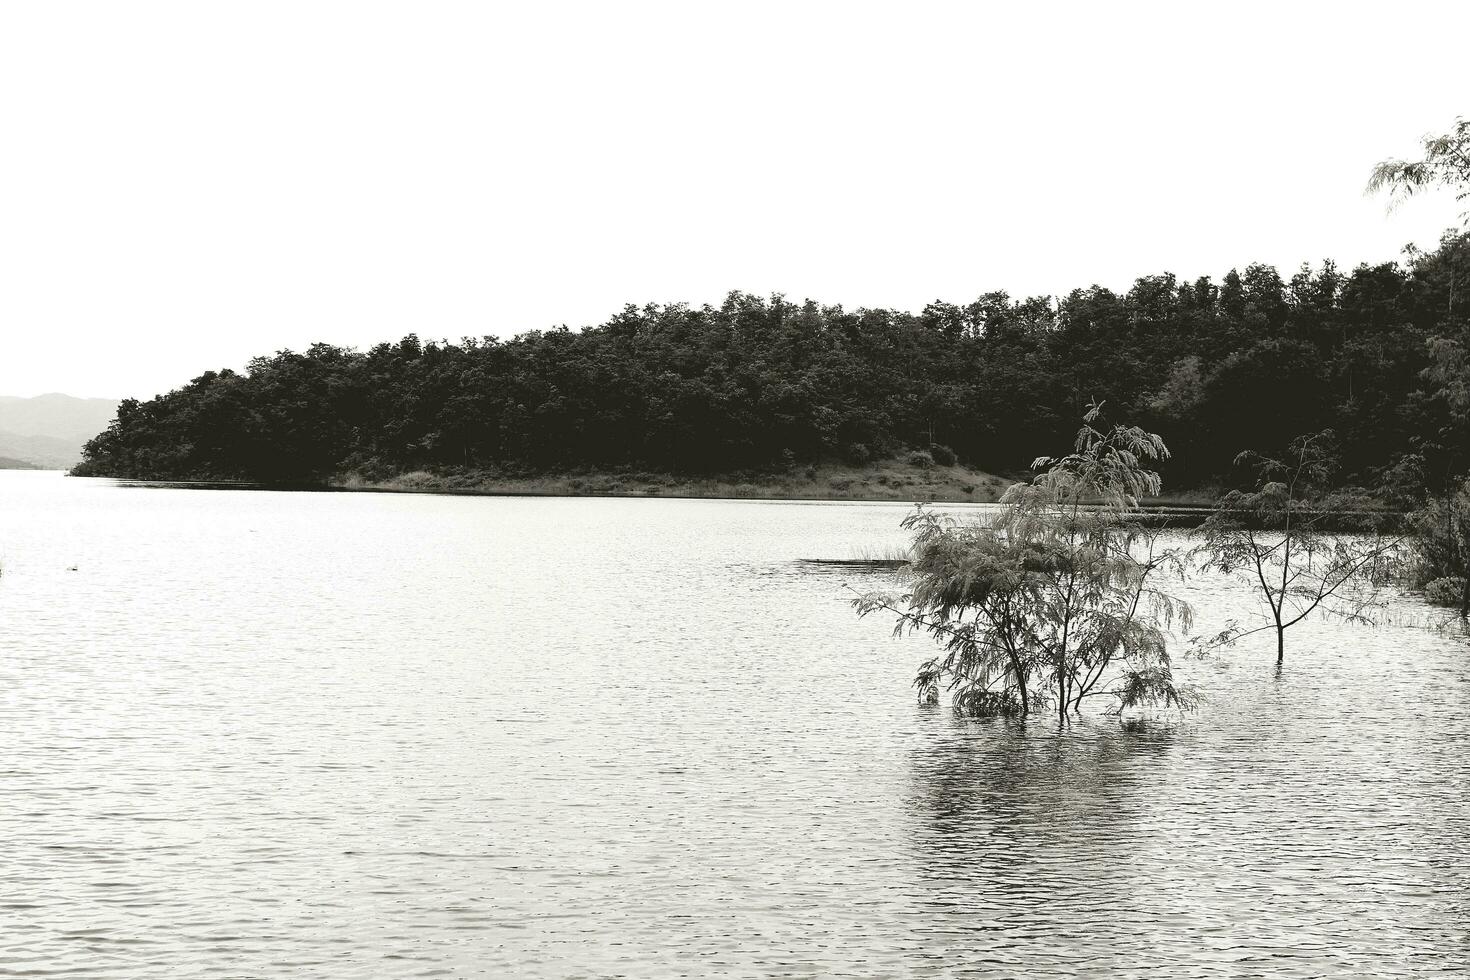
{"points": [[6, 463], [48, 431]]}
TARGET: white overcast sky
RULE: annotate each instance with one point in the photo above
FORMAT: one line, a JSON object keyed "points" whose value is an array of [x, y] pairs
{"points": [[185, 185]]}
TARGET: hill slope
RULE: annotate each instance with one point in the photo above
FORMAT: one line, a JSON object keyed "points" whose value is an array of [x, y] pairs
{"points": [[48, 431], [757, 387]]}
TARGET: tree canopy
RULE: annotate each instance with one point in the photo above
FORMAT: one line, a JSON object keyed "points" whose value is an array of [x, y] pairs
{"points": [[1249, 361]]}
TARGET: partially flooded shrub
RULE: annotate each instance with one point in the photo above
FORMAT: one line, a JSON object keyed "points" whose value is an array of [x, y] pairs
{"points": [[1443, 536], [982, 704], [1446, 591]]}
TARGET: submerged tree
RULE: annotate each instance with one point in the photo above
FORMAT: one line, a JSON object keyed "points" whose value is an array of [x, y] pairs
{"points": [[1056, 601], [1443, 545], [1276, 535], [1443, 522]]}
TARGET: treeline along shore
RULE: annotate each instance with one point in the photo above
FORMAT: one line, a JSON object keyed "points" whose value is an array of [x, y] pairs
{"points": [[760, 390]]}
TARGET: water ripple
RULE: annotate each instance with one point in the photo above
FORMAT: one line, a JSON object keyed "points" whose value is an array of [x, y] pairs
{"points": [[341, 735]]}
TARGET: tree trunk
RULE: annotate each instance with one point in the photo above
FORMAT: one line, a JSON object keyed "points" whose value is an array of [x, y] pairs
{"points": [[1280, 645]]}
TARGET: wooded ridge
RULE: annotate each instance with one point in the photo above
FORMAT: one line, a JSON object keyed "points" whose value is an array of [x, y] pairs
{"points": [[762, 385]]}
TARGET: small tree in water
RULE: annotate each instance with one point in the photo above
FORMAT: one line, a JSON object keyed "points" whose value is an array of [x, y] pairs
{"points": [[1274, 536], [1056, 601]]}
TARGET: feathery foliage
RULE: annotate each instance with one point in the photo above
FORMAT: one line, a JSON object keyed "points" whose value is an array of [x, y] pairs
{"points": [[1056, 601], [1446, 164]]}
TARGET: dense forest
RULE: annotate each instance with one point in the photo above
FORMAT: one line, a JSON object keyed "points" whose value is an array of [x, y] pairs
{"points": [[757, 385]]}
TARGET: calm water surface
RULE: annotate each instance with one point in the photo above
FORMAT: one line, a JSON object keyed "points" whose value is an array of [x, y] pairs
{"points": [[252, 734]]}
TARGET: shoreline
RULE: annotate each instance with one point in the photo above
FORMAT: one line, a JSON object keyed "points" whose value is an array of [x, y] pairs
{"points": [[890, 481], [887, 481]]}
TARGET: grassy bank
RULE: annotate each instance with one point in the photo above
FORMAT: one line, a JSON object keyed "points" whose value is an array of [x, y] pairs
{"points": [[885, 480]]}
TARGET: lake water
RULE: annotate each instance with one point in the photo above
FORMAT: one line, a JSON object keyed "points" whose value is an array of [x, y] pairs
{"points": [[254, 734]]}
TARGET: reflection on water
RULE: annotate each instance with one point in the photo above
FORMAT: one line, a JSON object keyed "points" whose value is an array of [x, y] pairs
{"points": [[359, 735], [1313, 839], [1023, 835]]}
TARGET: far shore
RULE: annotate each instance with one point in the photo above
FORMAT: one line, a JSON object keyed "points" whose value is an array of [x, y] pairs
{"points": [[885, 481], [892, 480], [888, 480]]}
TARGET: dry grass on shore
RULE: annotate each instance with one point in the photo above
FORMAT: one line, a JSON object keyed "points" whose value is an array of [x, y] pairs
{"points": [[885, 480]]}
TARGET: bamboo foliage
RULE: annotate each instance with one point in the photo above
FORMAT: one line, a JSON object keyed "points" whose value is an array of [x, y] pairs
{"points": [[1446, 164]]}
